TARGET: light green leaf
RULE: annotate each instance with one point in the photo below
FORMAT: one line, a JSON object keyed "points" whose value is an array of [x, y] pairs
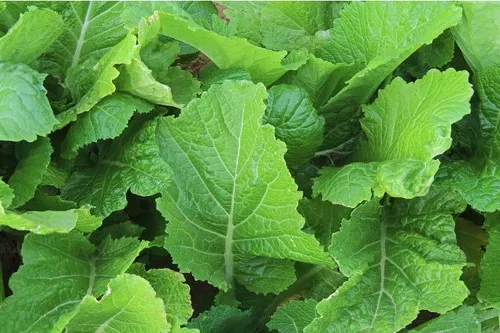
{"points": [[245, 19], [249, 209], [129, 162], [210, 74], [221, 319], [130, 304], [99, 79], [137, 79], [376, 37], [58, 271], [31, 36], [6, 197], [184, 86], [33, 160], [296, 122], [263, 65], [462, 320], [293, 316], [478, 180], [406, 127], [477, 34], [44, 222], [399, 259], [25, 111], [83, 36], [106, 120], [170, 287], [490, 265]]}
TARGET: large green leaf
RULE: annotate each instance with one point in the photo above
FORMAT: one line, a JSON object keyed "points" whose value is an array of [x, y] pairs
{"points": [[232, 197], [490, 265], [263, 65], [25, 111], [221, 319], [58, 272], [33, 160], [376, 37], [130, 304], [478, 180], [406, 127], [462, 320], [296, 122], [399, 260], [131, 161], [31, 36], [293, 317], [477, 34]]}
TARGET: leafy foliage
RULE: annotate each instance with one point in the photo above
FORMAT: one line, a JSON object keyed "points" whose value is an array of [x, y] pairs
{"points": [[199, 167]]}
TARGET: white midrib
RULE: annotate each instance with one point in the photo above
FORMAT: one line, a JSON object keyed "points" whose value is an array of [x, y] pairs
{"points": [[383, 257], [81, 38], [228, 249]]}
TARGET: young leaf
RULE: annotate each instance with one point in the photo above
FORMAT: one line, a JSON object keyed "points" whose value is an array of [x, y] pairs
{"points": [[106, 120], [130, 162], [293, 317], [477, 34], [263, 65], [399, 259], [296, 122], [33, 161], [232, 197], [31, 36], [130, 304], [478, 180], [6, 197], [25, 111], [376, 37], [58, 272], [406, 127]]}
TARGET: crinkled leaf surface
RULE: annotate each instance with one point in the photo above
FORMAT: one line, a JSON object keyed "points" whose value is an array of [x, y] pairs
{"points": [[131, 161], [462, 320], [130, 304], [33, 161], [296, 122], [477, 34], [31, 36], [58, 272], [293, 317], [234, 52], [376, 37], [170, 287], [478, 180], [232, 196], [221, 319], [106, 120], [25, 111], [406, 127], [399, 259], [490, 265]]}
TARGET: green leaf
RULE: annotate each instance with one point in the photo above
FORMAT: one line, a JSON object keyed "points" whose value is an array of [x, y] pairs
{"points": [[478, 180], [245, 19], [90, 30], [25, 111], [31, 36], [293, 317], [33, 160], [170, 287], [376, 37], [106, 120], [399, 259], [477, 34], [184, 86], [210, 74], [263, 65], [129, 162], [232, 197], [6, 197], [490, 265], [44, 222], [58, 272], [130, 304], [406, 127], [221, 319], [98, 80], [296, 122], [290, 26], [462, 320]]}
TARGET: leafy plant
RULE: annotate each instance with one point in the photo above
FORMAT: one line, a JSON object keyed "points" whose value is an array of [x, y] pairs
{"points": [[249, 167]]}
